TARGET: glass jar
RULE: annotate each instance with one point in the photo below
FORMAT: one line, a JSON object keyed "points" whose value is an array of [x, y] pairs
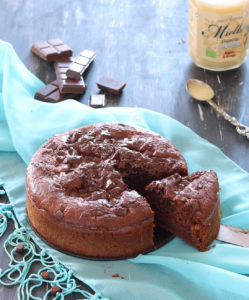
{"points": [[218, 33]]}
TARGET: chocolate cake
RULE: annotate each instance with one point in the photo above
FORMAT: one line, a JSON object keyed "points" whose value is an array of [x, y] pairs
{"points": [[85, 188], [188, 207]]}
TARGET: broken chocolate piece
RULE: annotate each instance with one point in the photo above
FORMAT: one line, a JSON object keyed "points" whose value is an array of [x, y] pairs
{"points": [[111, 85], [97, 101], [45, 275], [55, 289], [80, 64], [51, 93], [52, 50], [19, 248], [67, 85]]}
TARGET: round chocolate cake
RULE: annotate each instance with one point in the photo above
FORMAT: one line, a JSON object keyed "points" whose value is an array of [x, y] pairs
{"points": [[85, 188]]}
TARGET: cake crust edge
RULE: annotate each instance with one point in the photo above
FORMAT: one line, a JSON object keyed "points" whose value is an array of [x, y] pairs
{"points": [[95, 244]]}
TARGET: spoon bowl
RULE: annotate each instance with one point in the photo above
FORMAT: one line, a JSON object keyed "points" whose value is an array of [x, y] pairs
{"points": [[199, 90]]}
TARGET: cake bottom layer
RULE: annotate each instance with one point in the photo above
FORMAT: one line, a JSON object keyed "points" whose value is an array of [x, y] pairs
{"points": [[101, 244]]}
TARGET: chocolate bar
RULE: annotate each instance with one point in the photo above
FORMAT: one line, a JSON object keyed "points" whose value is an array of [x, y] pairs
{"points": [[52, 50], [111, 85], [80, 64], [97, 101], [51, 93], [67, 85]]}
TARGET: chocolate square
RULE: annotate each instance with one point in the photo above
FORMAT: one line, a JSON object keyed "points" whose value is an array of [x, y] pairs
{"points": [[111, 85], [97, 101]]}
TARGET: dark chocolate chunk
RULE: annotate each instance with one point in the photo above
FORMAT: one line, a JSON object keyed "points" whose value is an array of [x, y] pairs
{"points": [[51, 93], [67, 85], [55, 289], [80, 64], [19, 248], [97, 101], [45, 275], [111, 85], [52, 50]]}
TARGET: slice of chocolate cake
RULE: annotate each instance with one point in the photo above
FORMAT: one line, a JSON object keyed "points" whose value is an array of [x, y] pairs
{"points": [[188, 207]]}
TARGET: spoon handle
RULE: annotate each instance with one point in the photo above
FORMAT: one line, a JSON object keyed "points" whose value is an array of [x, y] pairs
{"points": [[240, 128]]}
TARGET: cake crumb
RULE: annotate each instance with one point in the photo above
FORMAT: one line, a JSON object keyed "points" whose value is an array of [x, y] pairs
{"points": [[122, 277], [115, 275], [214, 246]]}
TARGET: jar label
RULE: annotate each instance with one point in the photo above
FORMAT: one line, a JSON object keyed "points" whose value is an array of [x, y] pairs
{"points": [[218, 37]]}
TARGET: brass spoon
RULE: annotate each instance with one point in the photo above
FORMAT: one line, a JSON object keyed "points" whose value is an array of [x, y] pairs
{"points": [[201, 91]]}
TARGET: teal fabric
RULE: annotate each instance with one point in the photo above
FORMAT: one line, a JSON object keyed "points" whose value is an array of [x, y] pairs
{"points": [[175, 271]]}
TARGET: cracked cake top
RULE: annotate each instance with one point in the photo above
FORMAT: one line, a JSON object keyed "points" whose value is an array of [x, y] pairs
{"points": [[83, 177]]}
